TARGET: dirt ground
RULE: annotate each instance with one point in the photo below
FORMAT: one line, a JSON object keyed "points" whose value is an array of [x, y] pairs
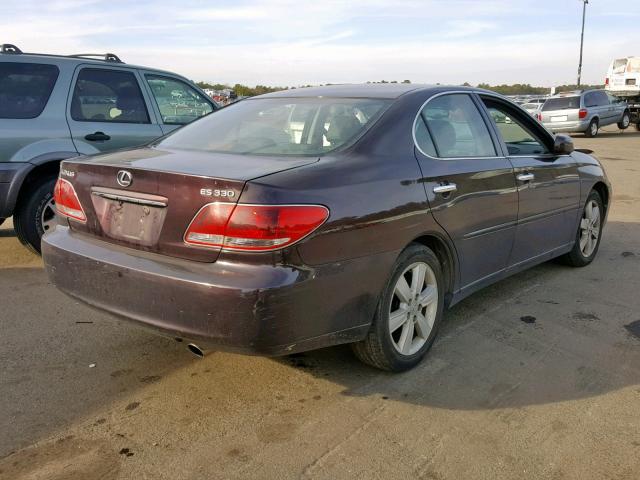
{"points": [[83, 396]]}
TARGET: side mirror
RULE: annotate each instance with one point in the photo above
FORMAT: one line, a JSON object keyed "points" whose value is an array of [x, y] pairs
{"points": [[563, 145]]}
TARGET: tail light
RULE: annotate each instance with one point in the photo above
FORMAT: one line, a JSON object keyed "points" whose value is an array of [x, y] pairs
{"points": [[582, 113], [257, 228], [66, 199], [539, 116], [606, 81]]}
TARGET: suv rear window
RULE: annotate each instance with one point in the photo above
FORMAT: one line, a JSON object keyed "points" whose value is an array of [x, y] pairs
{"points": [[104, 95], [279, 126], [25, 88], [562, 103]]}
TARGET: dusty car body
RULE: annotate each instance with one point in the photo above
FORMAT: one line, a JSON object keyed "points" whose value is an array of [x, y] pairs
{"points": [[404, 188]]}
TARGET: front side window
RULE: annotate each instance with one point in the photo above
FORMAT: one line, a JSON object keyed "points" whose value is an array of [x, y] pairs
{"points": [[178, 103], [25, 88], [280, 126], [102, 95], [515, 133], [456, 127]]}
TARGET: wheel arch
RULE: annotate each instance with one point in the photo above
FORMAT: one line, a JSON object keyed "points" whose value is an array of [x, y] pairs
{"points": [[43, 166], [603, 191], [447, 257]]}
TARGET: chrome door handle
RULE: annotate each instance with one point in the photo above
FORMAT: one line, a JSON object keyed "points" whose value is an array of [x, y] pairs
{"points": [[526, 177], [446, 188]]}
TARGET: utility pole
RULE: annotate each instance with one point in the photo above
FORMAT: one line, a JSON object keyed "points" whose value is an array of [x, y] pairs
{"points": [[584, 12]]}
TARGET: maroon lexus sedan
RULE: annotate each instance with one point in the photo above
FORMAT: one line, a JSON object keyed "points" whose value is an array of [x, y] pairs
{"points": [[320, 216]]}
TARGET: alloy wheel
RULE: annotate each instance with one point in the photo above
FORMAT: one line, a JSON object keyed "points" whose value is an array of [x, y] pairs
{"points": [[48, 216], [625, 120], [413, 308], [589, 228]]}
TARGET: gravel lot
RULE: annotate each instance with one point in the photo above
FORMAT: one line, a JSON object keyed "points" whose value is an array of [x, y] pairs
{"points": [[555, 397]]}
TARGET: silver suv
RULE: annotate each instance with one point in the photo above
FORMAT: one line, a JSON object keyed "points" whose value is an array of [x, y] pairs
{"points": [[584, 111], [55, 107]]}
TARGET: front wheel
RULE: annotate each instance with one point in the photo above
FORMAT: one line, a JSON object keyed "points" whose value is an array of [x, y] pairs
{"points": [[624, 122], [35, 213], [408, 314], [589, 233]]}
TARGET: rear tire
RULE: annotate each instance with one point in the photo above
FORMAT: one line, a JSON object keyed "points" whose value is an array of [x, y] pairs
{"points": [[33, 212], [408, 314], [592, 130], [624, 123], [589, 233]]}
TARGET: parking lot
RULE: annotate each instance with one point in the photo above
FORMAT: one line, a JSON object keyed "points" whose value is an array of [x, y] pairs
{"points": [[535, 377]]}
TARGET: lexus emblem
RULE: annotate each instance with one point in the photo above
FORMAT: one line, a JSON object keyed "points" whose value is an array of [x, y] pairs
{"points": [[124, 178]]}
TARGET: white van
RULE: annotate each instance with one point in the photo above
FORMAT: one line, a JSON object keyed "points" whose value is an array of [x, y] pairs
{"points": [[623, 77]]}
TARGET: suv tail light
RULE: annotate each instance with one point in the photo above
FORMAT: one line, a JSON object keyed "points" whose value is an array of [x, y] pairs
{"points": [[582, 113], [256, 228], [66, 199], [539, 116], [606, 81]]}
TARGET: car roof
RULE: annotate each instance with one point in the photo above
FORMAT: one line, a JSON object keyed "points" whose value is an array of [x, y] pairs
{"points": [[78, 59], [365, 90]]}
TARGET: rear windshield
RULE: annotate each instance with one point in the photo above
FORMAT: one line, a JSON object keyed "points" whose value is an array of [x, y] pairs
{"points": [[562, 103], [279, 126], [25, 88]]}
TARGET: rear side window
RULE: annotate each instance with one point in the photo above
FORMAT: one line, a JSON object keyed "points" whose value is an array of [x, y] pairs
{"points": [[178, 103], [561, 103], [25, 88], [456, 127], [102, 95]]}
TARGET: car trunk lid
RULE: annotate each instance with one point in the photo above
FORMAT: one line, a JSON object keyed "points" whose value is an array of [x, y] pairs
{"points": [[146, 198]]}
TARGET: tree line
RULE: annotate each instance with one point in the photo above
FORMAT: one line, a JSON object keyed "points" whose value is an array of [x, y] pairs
{"points": [[515, 89]]}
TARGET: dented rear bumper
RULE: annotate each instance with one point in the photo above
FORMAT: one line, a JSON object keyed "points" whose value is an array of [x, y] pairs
{"points": [[263, 309]]}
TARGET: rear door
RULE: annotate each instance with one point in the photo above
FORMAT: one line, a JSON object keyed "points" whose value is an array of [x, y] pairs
{"points": [[175, 102], [108, 110], [548, 185], [469, 184]]}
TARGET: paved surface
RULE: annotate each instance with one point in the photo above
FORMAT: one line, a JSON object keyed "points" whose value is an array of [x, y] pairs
{"points": [[497, 397]]}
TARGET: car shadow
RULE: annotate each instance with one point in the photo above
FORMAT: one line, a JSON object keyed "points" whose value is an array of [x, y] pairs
{"points": [[550, 334]]}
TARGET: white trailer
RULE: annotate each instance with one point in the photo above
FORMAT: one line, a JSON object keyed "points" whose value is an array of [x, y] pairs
{"points": [[623, 80]]}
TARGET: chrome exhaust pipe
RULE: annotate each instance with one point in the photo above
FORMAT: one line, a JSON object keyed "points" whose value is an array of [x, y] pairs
{"points": [[196, 350]]}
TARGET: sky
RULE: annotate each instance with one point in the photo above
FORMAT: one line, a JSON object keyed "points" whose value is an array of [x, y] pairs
{"points": [[298, 42]]}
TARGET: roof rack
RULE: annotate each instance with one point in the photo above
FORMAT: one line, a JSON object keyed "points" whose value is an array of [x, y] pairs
{"points": [[9, 48], [107, 57]]}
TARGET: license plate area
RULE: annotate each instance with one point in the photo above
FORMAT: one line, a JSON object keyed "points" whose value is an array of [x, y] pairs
{"points": [[132, 217], [560, 118]]}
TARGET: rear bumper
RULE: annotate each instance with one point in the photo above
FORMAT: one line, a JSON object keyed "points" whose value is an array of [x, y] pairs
{"points": [[250, 308], [575, 126], [12, 174]]}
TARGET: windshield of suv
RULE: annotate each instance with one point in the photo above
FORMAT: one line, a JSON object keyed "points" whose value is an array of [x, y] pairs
{"points": [[279, 126], [562, 103]]}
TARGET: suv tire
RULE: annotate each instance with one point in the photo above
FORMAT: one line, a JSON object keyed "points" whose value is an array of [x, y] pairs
{"points": [[420, 317], [592, 130], [27, 218]]}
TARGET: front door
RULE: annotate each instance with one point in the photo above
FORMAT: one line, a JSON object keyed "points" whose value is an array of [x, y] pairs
{"points": [[469, 185], [107, 110], [548, 184]]}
